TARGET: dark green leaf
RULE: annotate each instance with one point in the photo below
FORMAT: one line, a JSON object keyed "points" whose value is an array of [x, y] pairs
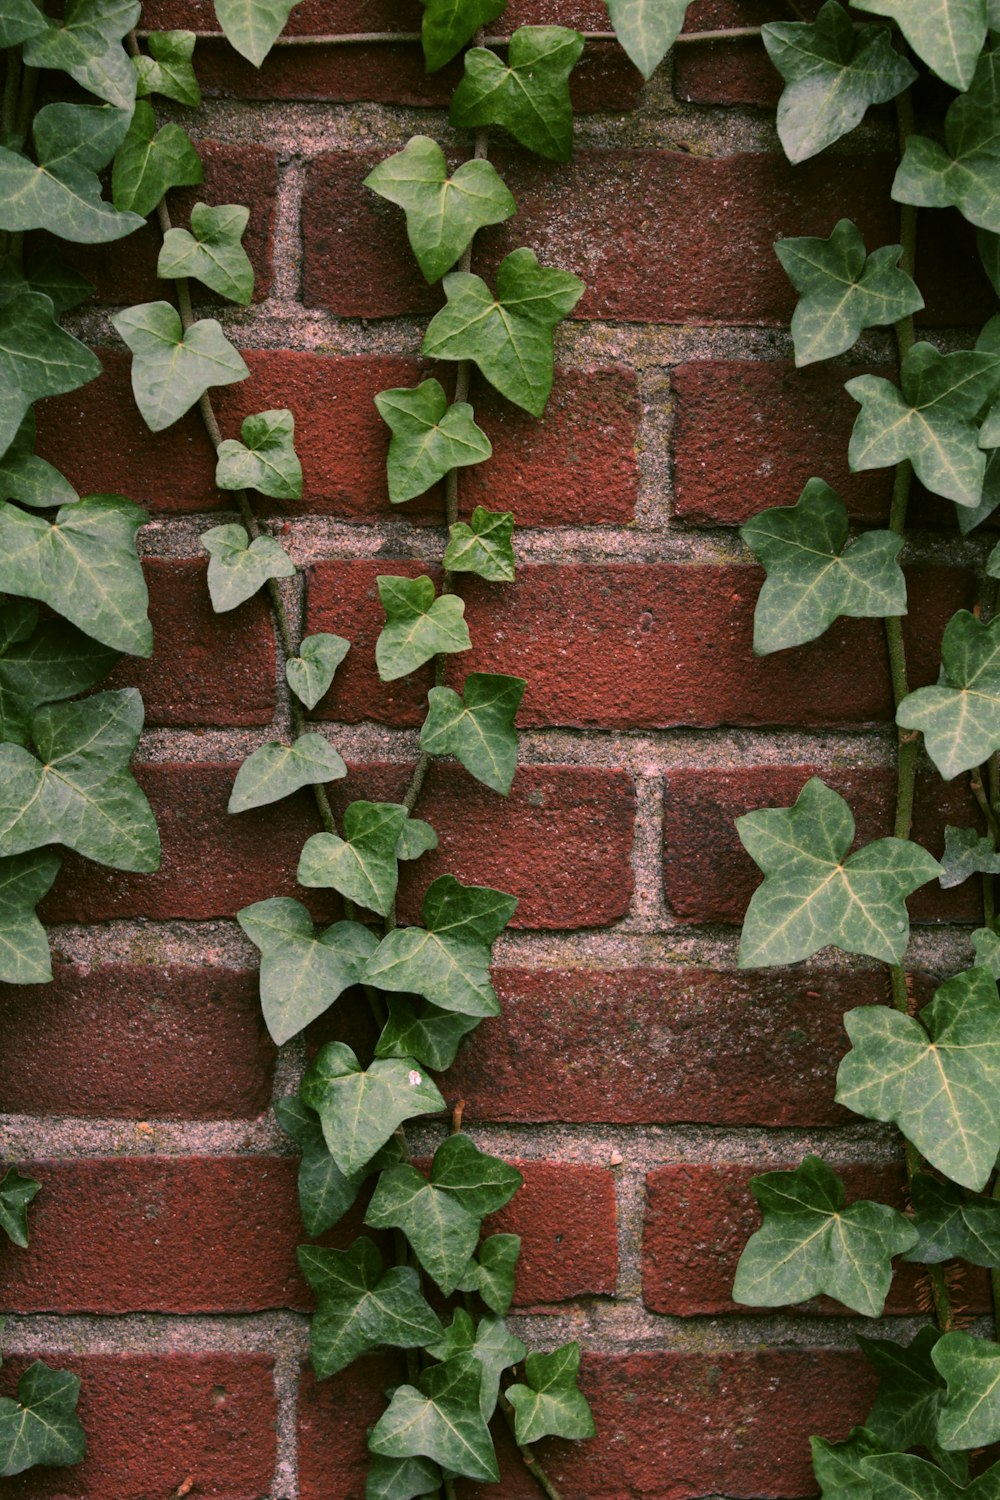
{"points": [[987, 947], [360, 1306], [477, 727], [433, 1036], [42, 663], [947, 34], [449, 24], [442, 1232], [60, 189], [86, 43], [550, 1405], [490, 1343], [401, 1478], [168, 70], [36, 359], [903, 1476], [482, 1184], [483, 546], [910, 1392], [965, 172], [325, 1194], [16, 1192], [418, 625], [48, 274], [647, 29], [276, 771], [149, 161], [363, 864], [41, 1426], [20, 19], [970, 1412], [839, 1467], [24, 944], [966, 853], [265, 460], [253, 26], [239, 567], [960, 716], [301, 975], [310, 674], [951, 1225], [429, 437], [212, 252], [172, 368], [529, 96], [439, 1418], [359, 1108], [492, 1272], [29, 479], [416, 838]]}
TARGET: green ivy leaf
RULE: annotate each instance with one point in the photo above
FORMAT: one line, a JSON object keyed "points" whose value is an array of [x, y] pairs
{"points": [[483, 1184], [477, 727], [363, 864], [550, 1405], [937, 1078], [508, 336], [966, 853], [448, 960], [490, 1344], [37, 358], [253, 26], [360, 1305], [931, 421], [16, 1192], [960, 716], [965, 172], [416, 838], [839, 1467], [84, 565], [952, 1226], [428, 438], [813, 576], [81, 792], [359, 1109], [29, 479], [238, 568], [492, 1274], [947, 34], [813, 896], [910, 1392], [265, 460], [310, 674], [325, 1194], [970, 1412], [903, 1476], [529, 96], [442, 213], [173, 368], [647, 29], [19, 20], [418, 625], [48, 274], [811, 1244], [842, 291], [401, 1478], [987, 948], [41, 663], [432, 1037], [276, 771], [301, 975], [150, 161], [439, 1418], [60, 189], [86, 44], [483, 546], [41, 1426], [168, 70], [212, 251], [449, 24], [832, 74], [442, 1232], [24, 943]]}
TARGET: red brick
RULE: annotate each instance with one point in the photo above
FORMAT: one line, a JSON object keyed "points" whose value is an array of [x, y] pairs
{"points": [[153, 1421], [577, 466], [592, 641], [206, 669], [708, 875], [333, 1419], [661, 1046], [729, 72], [136, 1041], [561, 842], [567, 1219], [659, 236]]}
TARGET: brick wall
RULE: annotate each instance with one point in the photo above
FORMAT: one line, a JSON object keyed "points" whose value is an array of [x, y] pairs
{"points": [[637, 1077]]}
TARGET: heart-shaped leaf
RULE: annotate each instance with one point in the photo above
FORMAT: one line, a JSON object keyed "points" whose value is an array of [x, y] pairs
{"points": [[301, 975], [477, 727], [60, 189], [360, 1305], [239, 567], [483, 546], [492, 1271], [418, 625], [550, 1405], [211, 251], [168, 69], [960, 716], [363, 864], [173, 368], [359, 1108], [275, 771], [529, 96], [429, 437], [150, 161], [265, 460], [310, 674]]}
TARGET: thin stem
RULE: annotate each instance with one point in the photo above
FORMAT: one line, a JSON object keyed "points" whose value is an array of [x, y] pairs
{"points": [[388, 38], [529, 1460]]}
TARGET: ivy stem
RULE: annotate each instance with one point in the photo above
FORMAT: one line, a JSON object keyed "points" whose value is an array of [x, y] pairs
{"points": [[386, 38]]}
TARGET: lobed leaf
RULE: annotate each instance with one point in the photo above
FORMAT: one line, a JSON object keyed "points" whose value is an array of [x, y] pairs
{"points": [[150, 161], [490, 1344], [441, 1230], [212, 251], [86, 43], [965, 171], [363, 864], [960, 715], [550, 1405], [264, 461], [908, 1403], [19, 20], [947, 34], [41, 1426], [359, 1108], [439, 1418], [529, 95], [60, 190], [432, 1036], [16, 1192], [301, 975], [482, 546], [966, 853], [418, 625], [359, 1305], [477, 727], [429, 437], [173, 367], [168, 69], [239, 567], [492, 1272], [951, 1225], [310, 674]]}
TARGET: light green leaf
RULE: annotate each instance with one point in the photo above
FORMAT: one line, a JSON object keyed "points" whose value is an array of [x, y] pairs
{"points": [[36, 359], [442, 1232], [325, 1194], [903, 1476], [24, 943], [19, 20], [86, 44], [960, 716], [359, 1305], [432, 1037], [276, 771], [363, 864], [813, 896], [29, 479], [212, 252], [947, 34], [172, 368], [238, 567], [987, 948], [477, 727], [951, 1225], [490, 1343], [310, 674], [16, 1192], [832, 74], [647, 29], [60, 189], [966, 853], [965, 172], [418, 626], [359, 1109], [970, 1413], [529, 96], [41, 1426], [508, 336], [813, 576], [84, 565], [842, 291], [449, 24], [910, 1392], [253, 26], [265, 460], [401, 1478], [301, 975], [937, 1078], [439, 1418], [550, 1405], [931, 421], [447, 961], [810, 1244], [442, 213], [428, 438], [492, 1272], [81, 792], [168, 70], [149, 161], [483, 546], [839, 1467]]}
